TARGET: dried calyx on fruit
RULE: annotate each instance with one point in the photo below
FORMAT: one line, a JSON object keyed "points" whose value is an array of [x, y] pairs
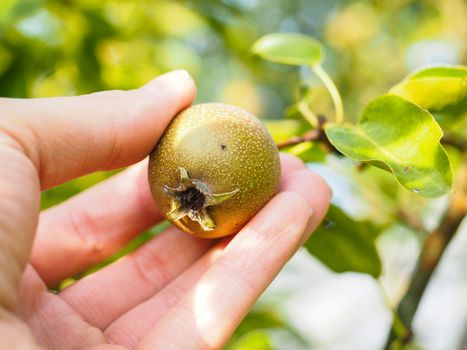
{"points": [[192, 198]]}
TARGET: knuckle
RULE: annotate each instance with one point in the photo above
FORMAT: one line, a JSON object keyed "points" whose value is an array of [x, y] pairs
{"points": [[151, 269], [84, 227]]}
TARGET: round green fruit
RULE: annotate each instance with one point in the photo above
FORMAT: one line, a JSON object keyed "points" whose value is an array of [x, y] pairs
{"points": [[213, 169]]}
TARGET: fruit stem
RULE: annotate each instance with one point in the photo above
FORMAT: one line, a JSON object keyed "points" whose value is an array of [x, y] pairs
{"points": [[335, 95]]}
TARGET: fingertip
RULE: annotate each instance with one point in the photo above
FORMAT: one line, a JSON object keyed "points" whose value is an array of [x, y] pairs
{"points": [[315, 191], [311, 185], [176, 82], [296, 203], [290, 163]]}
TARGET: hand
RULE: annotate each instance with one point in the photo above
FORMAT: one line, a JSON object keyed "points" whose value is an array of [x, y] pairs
{"points": [[176, 291]]}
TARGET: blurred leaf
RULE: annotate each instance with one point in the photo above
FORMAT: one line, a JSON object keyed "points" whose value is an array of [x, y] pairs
{"points": [[292, 111], [5, 59], [400, 137], [435, 88], [12, 10], [308, 152], [5, 9], [289, 48], [269, 339], [257, 340], [344, 244], [263, 328], [283, 129], [171, 18], [263, 318]]}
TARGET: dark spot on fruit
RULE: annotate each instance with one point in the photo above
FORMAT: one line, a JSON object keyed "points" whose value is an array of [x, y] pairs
{"points": [[191, 199], [223, 147]]}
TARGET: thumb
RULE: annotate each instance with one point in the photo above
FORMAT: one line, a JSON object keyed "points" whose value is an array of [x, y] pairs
{"points": [[44, 142], [67, 137]]}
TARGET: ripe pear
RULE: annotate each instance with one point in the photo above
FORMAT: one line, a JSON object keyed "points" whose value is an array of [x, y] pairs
{"points": [[213, 169]]}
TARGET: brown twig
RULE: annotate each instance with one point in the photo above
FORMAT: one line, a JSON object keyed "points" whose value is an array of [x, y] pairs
{"points": [[411, 220], [318, 134], [430, 255], [312, 135], [460, 144]]}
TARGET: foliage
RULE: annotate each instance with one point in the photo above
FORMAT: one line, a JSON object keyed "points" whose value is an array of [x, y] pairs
{"points": [[436, 88], [400, 137], [397, 134], [293, 49], [344, 244]]}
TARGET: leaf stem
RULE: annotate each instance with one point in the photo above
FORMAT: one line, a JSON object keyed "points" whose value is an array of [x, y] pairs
{"points": [[335, 95], [429, 258], [307, 113]]}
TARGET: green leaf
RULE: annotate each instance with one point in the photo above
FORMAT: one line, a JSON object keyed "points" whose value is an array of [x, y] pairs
{"points": [[308, 152], [289, 48], [344, 244], [257, 339], [282, 129], [398, 136], [258, 318], [435, 88]]}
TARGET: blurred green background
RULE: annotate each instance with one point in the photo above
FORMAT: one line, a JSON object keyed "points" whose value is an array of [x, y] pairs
{"points": [[69, 47]]}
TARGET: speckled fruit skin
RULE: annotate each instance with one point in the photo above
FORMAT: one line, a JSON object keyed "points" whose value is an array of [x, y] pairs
{"points": [[226, 148]]}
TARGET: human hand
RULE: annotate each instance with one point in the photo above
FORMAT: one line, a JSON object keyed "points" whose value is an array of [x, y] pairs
{"points": [[174, 292]]}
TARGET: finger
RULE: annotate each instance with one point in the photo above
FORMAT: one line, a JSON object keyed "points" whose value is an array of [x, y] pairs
{"points": [[67, 137], [130, 328], [19, 205], [290, 163], [93, 225], [233, 283], [15, 333], [316, 192], [53, 323], [106, 294], [99, 289]]}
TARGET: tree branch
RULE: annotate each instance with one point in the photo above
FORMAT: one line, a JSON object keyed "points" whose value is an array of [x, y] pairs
{"points": [[312, 135], [316, 134], [410, 220], [430, 256]]}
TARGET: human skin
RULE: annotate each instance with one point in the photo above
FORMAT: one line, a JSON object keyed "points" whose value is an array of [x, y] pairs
{"points": [[174, 292]]}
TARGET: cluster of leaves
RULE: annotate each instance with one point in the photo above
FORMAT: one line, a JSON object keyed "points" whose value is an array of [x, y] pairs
{"points": [[398, 132]]}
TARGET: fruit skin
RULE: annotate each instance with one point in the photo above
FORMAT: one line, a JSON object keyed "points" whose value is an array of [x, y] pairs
{"points": [[225, 149]]}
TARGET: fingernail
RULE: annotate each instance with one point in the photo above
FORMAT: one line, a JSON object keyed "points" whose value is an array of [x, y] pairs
{"points": [[174, 78]]}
